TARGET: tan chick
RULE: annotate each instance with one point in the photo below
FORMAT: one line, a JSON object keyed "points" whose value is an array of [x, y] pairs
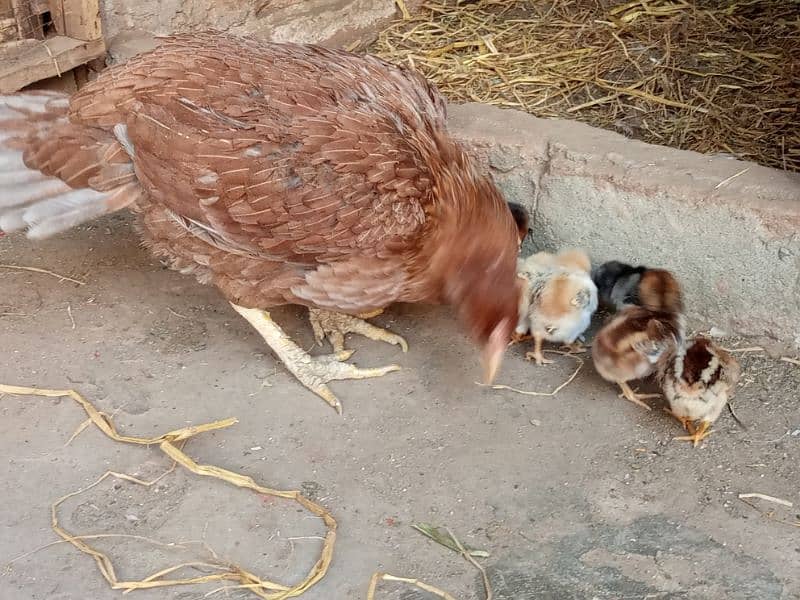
{"points": [[557, 301], [638, 340], [697, 383]]}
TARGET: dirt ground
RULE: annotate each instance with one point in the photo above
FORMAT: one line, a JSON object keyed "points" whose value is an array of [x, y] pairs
{"points": [[577, 496]]}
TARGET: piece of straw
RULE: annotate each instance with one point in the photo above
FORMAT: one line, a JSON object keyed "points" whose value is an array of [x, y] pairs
{"points": [[714, 78], [170, 444]]}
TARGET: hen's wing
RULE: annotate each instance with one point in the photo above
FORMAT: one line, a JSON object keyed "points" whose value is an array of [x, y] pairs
{"points": [[285, 152], [291, 153]]}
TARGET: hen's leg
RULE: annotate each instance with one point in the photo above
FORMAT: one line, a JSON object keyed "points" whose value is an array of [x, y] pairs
{"points": [[699, 434], [629, 394], [335, 326], [537, 355], [312, 372]]}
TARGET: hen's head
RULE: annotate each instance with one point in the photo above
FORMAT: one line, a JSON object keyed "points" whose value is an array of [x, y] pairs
{"points": [[477, 262]]}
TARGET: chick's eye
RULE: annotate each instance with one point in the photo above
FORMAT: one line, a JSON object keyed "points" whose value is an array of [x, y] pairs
{"points": [[550, 329]]}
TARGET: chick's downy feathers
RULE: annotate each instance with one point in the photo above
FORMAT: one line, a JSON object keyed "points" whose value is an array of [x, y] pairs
{"points": [[638, 340], [558, 298], [620, 285], [699, 380]]}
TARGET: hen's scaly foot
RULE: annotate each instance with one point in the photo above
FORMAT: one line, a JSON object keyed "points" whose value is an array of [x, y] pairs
{"points": [[629, 394], [335, 326], [314, 372], [371, 315], [698, 435]]}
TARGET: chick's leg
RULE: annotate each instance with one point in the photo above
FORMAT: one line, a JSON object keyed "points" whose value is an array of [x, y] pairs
{"points": [[574, 348], [629, 394], [335, 326], [697, 434], [312, 372], [516, 338], [537, 355], [688, 423]]}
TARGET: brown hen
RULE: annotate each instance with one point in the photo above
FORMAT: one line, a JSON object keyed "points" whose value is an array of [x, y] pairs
{"points": [[282, 174]]}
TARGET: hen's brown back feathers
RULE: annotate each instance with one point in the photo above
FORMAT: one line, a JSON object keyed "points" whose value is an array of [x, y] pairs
{"points": [[285, 173]]}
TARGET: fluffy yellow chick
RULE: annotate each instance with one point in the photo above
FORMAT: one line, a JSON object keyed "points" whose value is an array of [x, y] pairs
{"points": [[698, 382], [557, 301]]}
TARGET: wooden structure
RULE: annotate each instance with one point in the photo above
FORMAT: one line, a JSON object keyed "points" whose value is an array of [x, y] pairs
{"points": [[40, 39]]}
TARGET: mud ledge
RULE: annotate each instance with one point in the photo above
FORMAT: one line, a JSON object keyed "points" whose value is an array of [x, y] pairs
{"points": [[734, 242]]}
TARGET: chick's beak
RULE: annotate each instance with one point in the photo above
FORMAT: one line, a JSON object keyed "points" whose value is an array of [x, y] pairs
{"points": [[493, 352]]}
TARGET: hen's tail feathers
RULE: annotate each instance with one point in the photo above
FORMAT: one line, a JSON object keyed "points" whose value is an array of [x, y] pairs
{"points": [[55, 175]]}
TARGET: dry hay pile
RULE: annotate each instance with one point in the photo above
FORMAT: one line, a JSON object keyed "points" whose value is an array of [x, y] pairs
{"points": [[715, 77]]}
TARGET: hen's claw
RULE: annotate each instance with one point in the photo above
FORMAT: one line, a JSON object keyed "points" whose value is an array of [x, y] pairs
{"points": [[629, 394], [335, 326], [314, 372]]}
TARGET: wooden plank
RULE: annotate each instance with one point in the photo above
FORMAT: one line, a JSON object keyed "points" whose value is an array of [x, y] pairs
{"points": [[29, 24], [8, 30], [81, 19], [35, 61], [57, 14], [6, 12]]}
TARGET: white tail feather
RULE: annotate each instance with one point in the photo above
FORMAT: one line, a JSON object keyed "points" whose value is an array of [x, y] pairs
{"points": [[20, 195], [10, 161], [67, 220], [12, 220], [64, 203], [31, 200], [8, 178], [121, 133]]}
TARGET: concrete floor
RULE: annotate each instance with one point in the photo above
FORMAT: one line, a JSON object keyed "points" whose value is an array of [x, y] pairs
{"points": [[577, 496]]}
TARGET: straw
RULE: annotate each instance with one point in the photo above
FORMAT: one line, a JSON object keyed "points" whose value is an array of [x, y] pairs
{"points": [[170, 443], [714, 77]]}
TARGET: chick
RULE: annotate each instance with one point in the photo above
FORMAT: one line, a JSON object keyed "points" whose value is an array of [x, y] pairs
{"points": [[697, 383], [521, 218], [639, 339], [557, 301], [620, 285]]}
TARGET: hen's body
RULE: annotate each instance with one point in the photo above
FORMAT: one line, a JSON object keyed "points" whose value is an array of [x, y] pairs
{"points": [[282, 178], [282, 174]]}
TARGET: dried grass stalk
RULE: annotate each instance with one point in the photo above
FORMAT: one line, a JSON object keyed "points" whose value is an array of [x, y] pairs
{"points": [[714, 77], [426, 587], [169, 444]]}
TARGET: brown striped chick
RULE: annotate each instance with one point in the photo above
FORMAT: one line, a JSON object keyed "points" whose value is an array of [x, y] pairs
{"points": [[557, 301], [697, 382], [638, 340]]}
